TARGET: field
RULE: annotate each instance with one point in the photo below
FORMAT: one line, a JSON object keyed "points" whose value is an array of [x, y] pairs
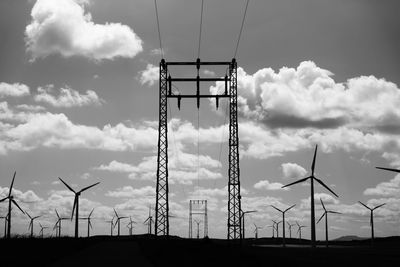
{"points": [[144, 250]]}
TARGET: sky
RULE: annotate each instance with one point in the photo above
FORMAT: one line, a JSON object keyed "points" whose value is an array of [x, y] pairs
{"points": [[79, 100]]}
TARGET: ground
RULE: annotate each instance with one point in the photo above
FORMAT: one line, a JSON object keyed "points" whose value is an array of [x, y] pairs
{"points": [[144, 250]]}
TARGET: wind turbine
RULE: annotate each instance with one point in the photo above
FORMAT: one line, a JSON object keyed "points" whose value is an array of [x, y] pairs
{"points": [[118, 221], [58, 223], [41, 229], [149, 221], [277, 227], [299, 229], [326, 220], [283, 221], [31, 223], [10, 198], [111, 225], [312, 178], [256, 230], [290, 228], [273, 229], [89, 225], [242, 215], [198, 228], [372, 219], [130, 225], [76, 204]]}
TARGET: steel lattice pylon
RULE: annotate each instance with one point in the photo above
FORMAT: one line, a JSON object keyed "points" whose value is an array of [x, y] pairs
{"points": [[234, 206]]}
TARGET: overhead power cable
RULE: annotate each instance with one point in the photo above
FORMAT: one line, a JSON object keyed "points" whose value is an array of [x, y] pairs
{"points": [[241, 28], [201, 24], [158, 27]]}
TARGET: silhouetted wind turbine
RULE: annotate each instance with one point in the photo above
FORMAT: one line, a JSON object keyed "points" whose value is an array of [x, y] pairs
{"points": [[299, 229], [372, 219], [130, 225], [256, 230], [41, 229], [290, 228], [198, 228], [326, 220], [10, 198], [149, 221], [312, 178], [273, 229], [283, 221], [31, 222], [276, 227], [242, 215], [58, 223], [76, 204], [111, 225], [89, 222], [118, 221]]}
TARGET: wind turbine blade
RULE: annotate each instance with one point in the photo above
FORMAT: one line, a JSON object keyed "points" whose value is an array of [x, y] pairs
{"points": [[15, 203], [40, 225], [297, 223], [28, 215], [321, 217], [324, 185], [86, 188], [322, 203], [116, 214], [90, 224], [73, 208], [289, 208], [90, 214], [58, 216], [276, 208], [334, 212], [37, 217], [298, 181], [313, 162], [388, 169], [364, 205], [146, 220], [12, 183], [3, 199], [379, 206], [67, 185]]}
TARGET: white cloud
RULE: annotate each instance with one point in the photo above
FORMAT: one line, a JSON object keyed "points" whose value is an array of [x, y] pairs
{"points": [[32, 108], [68, 97], [293, 171], [62, 27], [14, 90], [25, 197], [386, 189], [265, 184], [209, 72], [115, 166], [150, 75], [130, 192]]}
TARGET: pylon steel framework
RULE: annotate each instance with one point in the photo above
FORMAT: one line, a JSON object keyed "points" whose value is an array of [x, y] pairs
{"points": [[198, 207], [165, 82]]}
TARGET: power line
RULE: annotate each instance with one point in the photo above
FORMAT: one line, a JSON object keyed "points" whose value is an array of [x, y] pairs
{"points": [[158, 27], [241, 28], [201, 24]]}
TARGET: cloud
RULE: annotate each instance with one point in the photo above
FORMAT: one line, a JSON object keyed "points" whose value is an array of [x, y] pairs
{"points": [[31, 108], [265, 184], [293, 171], [62, 27], [13, 90], [386, 189], [57, 131], [68, 97], [150, 75], [25, 197], [130, 192]]}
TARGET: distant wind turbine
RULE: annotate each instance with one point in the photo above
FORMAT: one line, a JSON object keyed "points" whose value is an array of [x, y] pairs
{"points": [[290, 228], [118, 221], [299, 229], [283, 221], [130, 225], [31, 222], [41, 229], [111, 225], [76, 204], [326, 220], [256, 230], [312, 178], [149, 221], [273, 229], [89, 222], [371, 221], [58, 223], [242, 215], [10, 198]]}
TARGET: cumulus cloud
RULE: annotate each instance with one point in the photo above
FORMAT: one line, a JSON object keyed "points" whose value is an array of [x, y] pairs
{"points": [[150, 75], [386, 189], [13, 90], [130, 192], [293, 171], [266, 185], [25, 197], [67, 98], [32, 108], [63, 27]]}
